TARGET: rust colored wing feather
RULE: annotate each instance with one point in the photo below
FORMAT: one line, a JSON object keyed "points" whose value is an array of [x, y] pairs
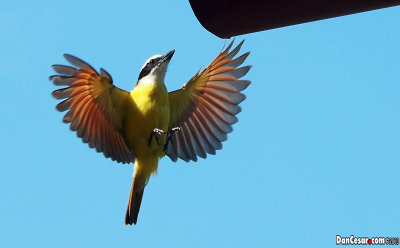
{"points": [[95, 107], [205, 108]]}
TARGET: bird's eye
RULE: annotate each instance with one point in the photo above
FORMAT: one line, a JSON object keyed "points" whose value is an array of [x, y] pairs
{"points": [[152, 61]]}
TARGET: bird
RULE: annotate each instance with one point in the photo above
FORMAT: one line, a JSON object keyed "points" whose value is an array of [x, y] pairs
{"points": [[148, 123]]}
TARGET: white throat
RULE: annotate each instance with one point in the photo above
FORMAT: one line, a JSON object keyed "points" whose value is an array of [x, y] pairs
{"points": [[152, 79]]}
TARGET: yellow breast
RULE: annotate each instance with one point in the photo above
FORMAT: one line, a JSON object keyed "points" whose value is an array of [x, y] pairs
{"points": [[148, 109]]}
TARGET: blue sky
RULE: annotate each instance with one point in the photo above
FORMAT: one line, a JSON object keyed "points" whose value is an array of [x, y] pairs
{"points": [[316, 151]]}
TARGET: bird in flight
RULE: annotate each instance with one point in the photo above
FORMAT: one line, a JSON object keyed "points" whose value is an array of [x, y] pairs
{"points": [[147, 123]]}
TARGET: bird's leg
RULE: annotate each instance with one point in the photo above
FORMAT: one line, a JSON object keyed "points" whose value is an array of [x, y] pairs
{"points": [[173, 130], [155, 133]]}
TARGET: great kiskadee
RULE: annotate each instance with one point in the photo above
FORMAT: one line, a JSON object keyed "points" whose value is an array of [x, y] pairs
{"points": [[148, 123]]}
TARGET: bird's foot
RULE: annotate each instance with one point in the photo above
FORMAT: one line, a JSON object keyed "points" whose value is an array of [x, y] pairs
{"points": [[171, 132], [155, 134]]}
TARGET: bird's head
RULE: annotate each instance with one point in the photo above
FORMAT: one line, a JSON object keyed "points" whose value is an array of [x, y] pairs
{"points": [[155, 68]]}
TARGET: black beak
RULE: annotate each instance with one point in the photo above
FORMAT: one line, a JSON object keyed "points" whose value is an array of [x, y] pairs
{"points": [[168, 56]]}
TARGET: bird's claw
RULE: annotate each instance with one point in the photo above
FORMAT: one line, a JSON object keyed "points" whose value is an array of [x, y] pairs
{"points": [[174, 130], [155, 134], [158, 131], [169, 134]]}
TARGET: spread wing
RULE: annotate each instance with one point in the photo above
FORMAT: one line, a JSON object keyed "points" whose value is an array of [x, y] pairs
{"points": [[205, 108], [95, 107]]}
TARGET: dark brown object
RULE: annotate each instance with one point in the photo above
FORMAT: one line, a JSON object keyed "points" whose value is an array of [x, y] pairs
{"points": [[227, 18], [132, 212]]}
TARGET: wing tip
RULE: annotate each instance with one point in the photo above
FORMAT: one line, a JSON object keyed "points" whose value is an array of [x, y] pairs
{"points": [[68, 56], [105, 74], [54, 94], [226, 50], [81, 64]]}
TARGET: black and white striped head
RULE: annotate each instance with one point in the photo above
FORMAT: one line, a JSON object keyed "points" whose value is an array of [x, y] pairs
{"points": [[155, 67]]}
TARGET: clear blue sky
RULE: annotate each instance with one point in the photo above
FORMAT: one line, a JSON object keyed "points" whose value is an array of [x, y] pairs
{"points": [[316, 151]]}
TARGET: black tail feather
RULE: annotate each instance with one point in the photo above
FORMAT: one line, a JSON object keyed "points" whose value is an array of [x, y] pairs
{"points": [[135, 200]]}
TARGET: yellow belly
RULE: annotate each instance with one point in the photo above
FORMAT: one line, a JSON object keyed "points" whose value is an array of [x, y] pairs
{"points": [[148, 109]]}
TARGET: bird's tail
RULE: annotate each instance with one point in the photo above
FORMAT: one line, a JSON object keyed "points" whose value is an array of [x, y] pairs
{"points": [[140, 178]]}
